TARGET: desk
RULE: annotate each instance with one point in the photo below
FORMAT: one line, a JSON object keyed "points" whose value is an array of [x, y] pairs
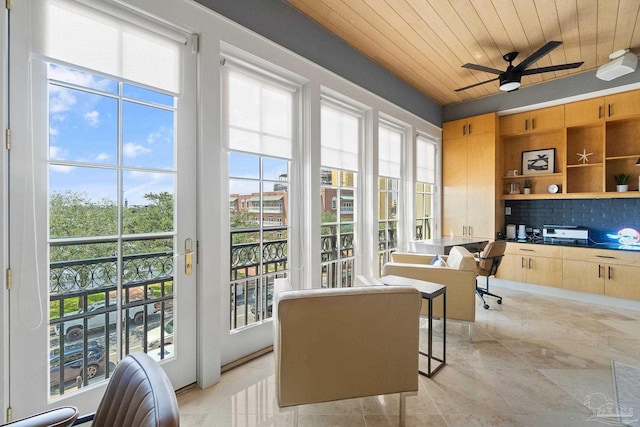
{"points": [[444, 245], [429, 291]]}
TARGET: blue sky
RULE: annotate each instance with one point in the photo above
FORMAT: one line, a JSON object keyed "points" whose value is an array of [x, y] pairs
{"points": [[83, 135]]}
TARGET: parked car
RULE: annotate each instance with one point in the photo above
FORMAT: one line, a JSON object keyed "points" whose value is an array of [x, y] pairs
{"points": [[74, 329], [153, 335], [74, 362]]}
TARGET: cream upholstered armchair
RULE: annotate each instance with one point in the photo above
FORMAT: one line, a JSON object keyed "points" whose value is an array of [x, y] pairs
{"points": [[333, 344], [458, 275]]}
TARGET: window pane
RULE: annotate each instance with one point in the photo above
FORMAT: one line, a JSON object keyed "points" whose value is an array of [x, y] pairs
{"points": [[83, 126], [82, 202], [244, 166], [148, 139], [148, 202], [136, 92], [81, 78]]}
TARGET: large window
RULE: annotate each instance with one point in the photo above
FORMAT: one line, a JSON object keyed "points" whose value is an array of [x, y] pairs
{"points": [[390, 151], [425, 160], [341, 133], [258, 127]]}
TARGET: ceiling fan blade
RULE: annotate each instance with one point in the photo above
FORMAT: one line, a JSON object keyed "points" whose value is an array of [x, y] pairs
{"points": [[482, 68], [476, 84], [552, 68], [537, 55]]}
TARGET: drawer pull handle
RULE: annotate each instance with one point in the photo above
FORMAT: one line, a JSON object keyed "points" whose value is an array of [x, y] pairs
{"points": [[605, 256], [527, 250], [609, 274]]}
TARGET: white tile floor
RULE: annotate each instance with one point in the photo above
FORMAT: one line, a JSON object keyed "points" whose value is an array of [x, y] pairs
{"points": [[534, 361]]}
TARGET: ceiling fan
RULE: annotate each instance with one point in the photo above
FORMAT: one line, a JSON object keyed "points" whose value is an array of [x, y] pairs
{"points": [[510, 78]]}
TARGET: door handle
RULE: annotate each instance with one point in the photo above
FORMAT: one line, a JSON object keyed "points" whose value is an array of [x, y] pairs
{"points": [[609, 273], [188, 256], [533, 123], [599, 111], [521, 262], [599, 271]]}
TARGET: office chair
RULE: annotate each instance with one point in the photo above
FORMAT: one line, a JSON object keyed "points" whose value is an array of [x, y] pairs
{"points": [[487, 265]]}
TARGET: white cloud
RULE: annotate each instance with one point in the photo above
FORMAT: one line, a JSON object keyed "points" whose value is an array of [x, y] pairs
{"points": [[60, 99], [92, 117], [53, 131], [61, 168], [163, 135], [102, 157], [131, 149]]}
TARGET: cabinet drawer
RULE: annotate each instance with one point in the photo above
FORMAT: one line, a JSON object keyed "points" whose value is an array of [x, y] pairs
{"points": [[528, 249], [602, 256]]}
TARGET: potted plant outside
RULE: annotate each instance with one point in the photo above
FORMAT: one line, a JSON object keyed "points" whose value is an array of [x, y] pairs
{"points": [[527, 186], [622, 182]]}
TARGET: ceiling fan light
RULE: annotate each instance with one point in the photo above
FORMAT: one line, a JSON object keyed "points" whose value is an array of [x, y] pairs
{"points": [[509, 86]]}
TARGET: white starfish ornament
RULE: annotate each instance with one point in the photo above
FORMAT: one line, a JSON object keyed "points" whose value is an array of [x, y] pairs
{"points": [[584, 156]]}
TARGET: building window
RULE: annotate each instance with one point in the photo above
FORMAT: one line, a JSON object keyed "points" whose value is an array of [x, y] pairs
{"points": [[425, 159], [340, 138], [258, 117], [390, 148]]}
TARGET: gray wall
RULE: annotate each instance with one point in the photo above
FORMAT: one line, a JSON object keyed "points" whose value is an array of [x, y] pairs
{"points": [[285, 25], [543, 92]]}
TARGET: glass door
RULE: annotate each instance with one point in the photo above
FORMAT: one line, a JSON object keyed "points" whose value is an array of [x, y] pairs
{"points": [[102, 208]]}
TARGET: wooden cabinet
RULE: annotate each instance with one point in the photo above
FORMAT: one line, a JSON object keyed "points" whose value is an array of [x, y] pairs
{"points": [[604, 129], [469, 177], [537, 121], [531, 263], [622, 105], [585, 112], [475, 125], [605, 272]]}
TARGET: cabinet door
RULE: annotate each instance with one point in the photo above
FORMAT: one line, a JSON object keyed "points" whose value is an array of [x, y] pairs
{"points": [[544, 271], [454, 129], [584, 112], [513, 268], [485, 123], [622, 105], [583, 276], [547, 119], [454, 182], [622, 281], [514, 124], [481, 185]]}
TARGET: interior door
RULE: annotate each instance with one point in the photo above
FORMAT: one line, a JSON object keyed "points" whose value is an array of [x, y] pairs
{"points": [[102, 230]]}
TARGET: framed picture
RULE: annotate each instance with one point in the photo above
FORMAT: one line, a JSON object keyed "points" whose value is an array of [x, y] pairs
{"points": [[538, 161]]}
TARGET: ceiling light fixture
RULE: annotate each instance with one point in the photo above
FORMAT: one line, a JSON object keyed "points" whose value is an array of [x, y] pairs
{"points": [[621, 62]]}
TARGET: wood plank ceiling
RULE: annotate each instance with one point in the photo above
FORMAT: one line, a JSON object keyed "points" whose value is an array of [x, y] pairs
{"points": [[425, 42]]}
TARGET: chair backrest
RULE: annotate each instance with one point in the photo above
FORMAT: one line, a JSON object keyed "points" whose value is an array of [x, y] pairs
{"points": [[333, 344], [490, 258], [139, 394]]}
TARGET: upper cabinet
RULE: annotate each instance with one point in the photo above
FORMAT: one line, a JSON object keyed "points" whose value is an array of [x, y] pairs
{"points": [[476, 125], [584, 112], [537, 121], [592, 142], [622, 105]]}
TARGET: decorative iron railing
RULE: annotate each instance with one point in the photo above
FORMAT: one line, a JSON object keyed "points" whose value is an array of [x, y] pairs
{"points": [[83, 341], [255, 264], [337, 260]]}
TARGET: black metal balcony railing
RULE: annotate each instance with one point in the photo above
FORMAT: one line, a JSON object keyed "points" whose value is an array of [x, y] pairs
{"points": [[83, 340], [254, 267], [337, 261]]}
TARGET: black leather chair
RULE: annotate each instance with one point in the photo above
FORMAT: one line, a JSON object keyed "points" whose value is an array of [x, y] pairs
{"points": [[487, 264], [139, 394], [59, 417]]}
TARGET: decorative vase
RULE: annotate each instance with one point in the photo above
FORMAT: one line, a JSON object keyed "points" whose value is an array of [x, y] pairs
{"points": [[527, 190], [622, 188]]}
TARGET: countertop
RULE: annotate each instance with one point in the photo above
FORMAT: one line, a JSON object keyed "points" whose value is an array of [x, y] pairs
{"points": [[578, 244]]}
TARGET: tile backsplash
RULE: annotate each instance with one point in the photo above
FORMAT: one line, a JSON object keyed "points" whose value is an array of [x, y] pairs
{"points": [[600, 216]]}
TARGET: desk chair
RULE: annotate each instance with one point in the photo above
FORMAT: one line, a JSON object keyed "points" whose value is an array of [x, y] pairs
{"points": [[487, 264]]}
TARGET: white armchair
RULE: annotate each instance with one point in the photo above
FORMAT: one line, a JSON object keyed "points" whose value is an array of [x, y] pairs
{"points": [[459, 276], [334, 344]]}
